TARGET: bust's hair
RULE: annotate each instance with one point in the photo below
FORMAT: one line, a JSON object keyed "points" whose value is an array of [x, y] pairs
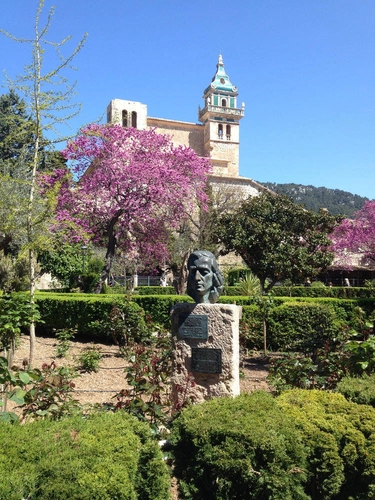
{"points": [[217, 278]]}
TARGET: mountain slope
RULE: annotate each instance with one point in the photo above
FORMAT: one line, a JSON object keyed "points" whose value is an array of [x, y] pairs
{"points": [[313, 198]]}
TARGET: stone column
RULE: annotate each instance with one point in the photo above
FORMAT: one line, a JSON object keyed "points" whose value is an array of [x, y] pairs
{"points": [[205, 352]]}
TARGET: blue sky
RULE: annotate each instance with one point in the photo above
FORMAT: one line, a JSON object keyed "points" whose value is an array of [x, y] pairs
{"points": [[304, 68]]}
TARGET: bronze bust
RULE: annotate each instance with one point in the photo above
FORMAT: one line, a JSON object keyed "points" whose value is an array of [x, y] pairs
{"points": [[205, 281]]}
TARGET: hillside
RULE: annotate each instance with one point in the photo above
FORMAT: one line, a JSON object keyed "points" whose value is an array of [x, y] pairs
{"points": [[314, 198]]}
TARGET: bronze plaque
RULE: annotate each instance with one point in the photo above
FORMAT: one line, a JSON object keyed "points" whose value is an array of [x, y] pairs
{"points": [[193, 326], [206, 360]]}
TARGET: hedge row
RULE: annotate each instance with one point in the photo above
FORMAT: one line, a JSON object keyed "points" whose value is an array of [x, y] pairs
{"points": [[278, 291], [101, 457], [303, 291], [155, 290], [292, 324], [302, 445], [88, 314]]}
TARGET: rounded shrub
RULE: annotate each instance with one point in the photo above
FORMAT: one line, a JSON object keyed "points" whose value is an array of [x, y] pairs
{"points": [[340, 442], [102, 457], [360, 390], [243, 448]]}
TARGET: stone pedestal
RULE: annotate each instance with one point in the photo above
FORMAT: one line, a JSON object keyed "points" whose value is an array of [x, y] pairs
{"points": [[205, 352]]}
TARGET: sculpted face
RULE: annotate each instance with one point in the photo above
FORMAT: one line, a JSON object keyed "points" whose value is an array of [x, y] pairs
{"points": [[200, 276]]}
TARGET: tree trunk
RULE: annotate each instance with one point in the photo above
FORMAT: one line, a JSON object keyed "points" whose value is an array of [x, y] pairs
{"points": [[111, 248], [180, 282], [265, 336]]}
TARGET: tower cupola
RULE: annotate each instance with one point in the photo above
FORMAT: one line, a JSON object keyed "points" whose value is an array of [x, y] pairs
{"points": [[220, 117]]}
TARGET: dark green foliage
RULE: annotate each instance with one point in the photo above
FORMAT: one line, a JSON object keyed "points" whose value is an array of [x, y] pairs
{"points": [[242, 448], [335, 201], [360, 390], [361, 356], [155, 290], [105, 456], [301, 326], [338, 292], [90, 314], [234, 276], [291, 321], [340, 441], [16, 132], [277, 239], [159, 307], [291, 325], [350, 350], [87, 282], [64, 263]]}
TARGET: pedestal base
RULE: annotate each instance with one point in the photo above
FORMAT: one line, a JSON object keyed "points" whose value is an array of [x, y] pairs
{"points": [[205, 352]]}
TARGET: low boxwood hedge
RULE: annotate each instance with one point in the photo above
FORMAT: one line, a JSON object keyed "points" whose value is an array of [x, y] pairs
{"points": [[292, 323], [82, 311], [105, 456]]}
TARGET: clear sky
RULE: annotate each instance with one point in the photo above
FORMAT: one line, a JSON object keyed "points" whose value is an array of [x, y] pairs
{"points": [[304, 68]]}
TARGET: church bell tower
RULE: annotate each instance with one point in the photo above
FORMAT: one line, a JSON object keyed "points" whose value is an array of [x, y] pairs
{"points": [[221, 119]]}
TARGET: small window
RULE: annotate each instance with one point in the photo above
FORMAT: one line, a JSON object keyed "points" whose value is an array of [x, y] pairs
{"points": [[228, 132], [124, 118], [224, 103], [134, 119], [220, 131]]}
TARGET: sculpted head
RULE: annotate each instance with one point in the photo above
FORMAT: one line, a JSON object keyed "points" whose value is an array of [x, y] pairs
{"points": [[205, 281]]}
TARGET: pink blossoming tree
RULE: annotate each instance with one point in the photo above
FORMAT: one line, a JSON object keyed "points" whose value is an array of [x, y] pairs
{"points": [[354, 239], [132, 187]]}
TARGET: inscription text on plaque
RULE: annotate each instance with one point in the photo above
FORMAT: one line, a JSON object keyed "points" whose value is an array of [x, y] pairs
{"points": [[206, 360], [193, 326]]}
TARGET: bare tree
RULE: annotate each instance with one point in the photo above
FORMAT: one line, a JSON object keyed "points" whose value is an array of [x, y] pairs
{"points": [[50, 100]]}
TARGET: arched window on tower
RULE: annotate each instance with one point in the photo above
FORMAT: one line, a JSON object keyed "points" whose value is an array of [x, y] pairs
{"points": [[124, 118], [228, 132], [220, 131], [134, 119], [224, 103]]}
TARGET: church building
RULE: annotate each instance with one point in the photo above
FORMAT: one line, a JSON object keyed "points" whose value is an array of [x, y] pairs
{"points": [[216, 136]]}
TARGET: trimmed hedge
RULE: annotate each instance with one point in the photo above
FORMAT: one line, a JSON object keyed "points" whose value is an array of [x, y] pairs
{"points": [[292, 323], [105, 456], [155, 290], [158, 308], [79, 311], [301, 326], [309, 292], [301, 445]]}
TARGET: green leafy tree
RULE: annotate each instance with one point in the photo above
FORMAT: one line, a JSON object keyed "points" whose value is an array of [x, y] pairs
{"points": [[16, 132], [49, 101], [64, 261], [277, 238]]}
